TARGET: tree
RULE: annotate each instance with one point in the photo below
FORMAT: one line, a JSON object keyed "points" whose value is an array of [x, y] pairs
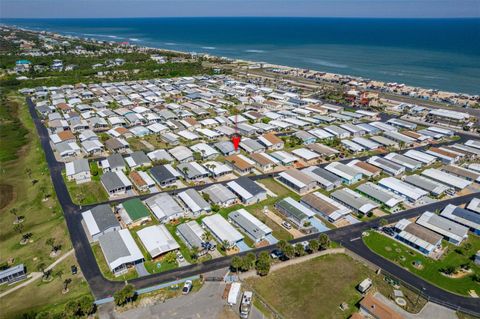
{"points": [[248, 261], [59, 274], [170, 257], [314, 244], [13, 211], [51, 242], [263, 264], [81, 307], [282, 244], [289, 251], [225, 244], [43, 268], [236, 263], [383, 222], [86, 304], [66, 282], [125, 295], [207, 236], [299, 249], [324, 241]]}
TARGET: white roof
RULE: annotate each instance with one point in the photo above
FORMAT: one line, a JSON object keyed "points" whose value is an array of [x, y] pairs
{"points": [[188, 135], [157, 127], [402, 224], [157, 240], [222, 229], [204, 149], [446, 178], [207, 132], [146, 178], [284, 157], [90, 222], [443, 226], [218, 168], [341, 170], [420, 156], [402, 188], [306, 154], [133, 250]]}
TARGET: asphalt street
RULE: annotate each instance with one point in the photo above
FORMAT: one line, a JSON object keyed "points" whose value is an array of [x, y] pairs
{"points": [[102, 287]]}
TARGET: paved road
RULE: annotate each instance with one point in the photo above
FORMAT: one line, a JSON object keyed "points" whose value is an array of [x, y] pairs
{"points": [[102, 287]]}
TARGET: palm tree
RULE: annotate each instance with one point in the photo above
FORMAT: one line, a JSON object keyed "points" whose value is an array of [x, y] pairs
{"points": [[66, 282], [13, 211], [282, 244], [207, 236]]}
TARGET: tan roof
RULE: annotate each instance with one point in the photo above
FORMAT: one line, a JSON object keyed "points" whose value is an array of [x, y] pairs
{"points": [[260, 159], [442, 152], [121, 130], [191, 121], [461, 172], [357, 315], [378, 309], [272, 138], [300, 176], [324, 150], [63, 106], [423, 233], [368, 167], [137, 179], [319, 204], [238, 162], [411, 134], [66, 135]]}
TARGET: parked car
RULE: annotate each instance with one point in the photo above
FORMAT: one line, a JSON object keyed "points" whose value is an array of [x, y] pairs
{"points": [[180, 257], [187, 287], [287, 225], [276, 253]]}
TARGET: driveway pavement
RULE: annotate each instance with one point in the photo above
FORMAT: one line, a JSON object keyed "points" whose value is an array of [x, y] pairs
{"points": [[141, 270]]}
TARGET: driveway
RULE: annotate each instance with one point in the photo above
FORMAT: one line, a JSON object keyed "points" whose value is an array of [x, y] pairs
{"points": [[141, 270]]}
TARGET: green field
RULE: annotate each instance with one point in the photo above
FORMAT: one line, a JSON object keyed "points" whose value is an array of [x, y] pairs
{"points": [[86, 193], [42, 296], [316, 288], [430, 269], [32, 195]]}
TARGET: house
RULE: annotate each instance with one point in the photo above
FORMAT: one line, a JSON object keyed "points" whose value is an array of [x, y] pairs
{"points": [[348, 174], [205, 150], [92, 147], [193, 235], [13, 274], [305, 137], [133, 212], [387, 166], [164, 207], [117, 145], [160, 155], [182, 154], [240, 163], [271, 141], [285, 158], [446, 157], [409, 163], [142, 181], [297, 180], [474, 205], [354, 201], [164, 175], [220, 195], [64, 136], [411, 193], [225, 147], [324, 178], [192, 171], [325, 151], [365, 168], [217, 169], [251, 226], [247, 190], [78, 170], [307, 155], [380, 195], [325, 207], [116, 183], [463, 217], [433, 187], [264, 161], [120, 251], [461, 172], [421, 156], [100, 220], [222, 231], [68, 149], [451, 231], [196, 204], [157, 240], [251, 146], [446, 178], [113, 163], [294, 211], [417, 237], [138, 159]]}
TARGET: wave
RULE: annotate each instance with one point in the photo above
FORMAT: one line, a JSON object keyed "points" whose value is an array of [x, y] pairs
{"points": [[327, 63], [134, 39], [209, 48], [255, 51], [170, 43]]}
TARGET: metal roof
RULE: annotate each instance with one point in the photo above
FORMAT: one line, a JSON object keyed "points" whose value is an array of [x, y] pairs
{"points": [[250, 224], [119, 248]]}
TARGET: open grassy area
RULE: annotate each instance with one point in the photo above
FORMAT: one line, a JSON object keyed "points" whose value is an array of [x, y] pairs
{"points": [[46, 296], [13, 134], [31, 193], [86, 193], [316, 288], [102, 264], [430, 269]]}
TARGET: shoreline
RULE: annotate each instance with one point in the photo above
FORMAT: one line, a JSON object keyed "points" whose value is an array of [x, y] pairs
{"points": [[329, 76]]}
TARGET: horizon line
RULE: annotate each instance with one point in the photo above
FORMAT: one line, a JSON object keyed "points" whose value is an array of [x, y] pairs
{"points": [[242, 17]]}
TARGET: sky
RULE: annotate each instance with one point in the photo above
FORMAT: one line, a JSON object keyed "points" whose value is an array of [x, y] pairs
{"points": [[223, 8]]}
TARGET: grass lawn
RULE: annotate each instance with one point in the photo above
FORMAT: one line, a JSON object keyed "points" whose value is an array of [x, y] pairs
{"points": [[430, 271], [315, 288], [13, 134], [102, 264], [86, 193], [46, 296], [27, 181]]}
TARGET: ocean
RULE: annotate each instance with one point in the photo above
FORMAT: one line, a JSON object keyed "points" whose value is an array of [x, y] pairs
{"points": [[432, 53]]}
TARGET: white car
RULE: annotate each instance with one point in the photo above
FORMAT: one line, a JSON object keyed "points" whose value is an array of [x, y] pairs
{"points": [[287, 225], [187, 287]]}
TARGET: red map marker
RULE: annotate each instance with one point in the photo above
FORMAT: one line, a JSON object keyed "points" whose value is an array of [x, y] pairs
{"points": [[236, 138]]}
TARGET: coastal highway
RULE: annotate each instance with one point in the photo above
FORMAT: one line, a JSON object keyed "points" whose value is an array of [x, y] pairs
{"points": [[102, 287]]}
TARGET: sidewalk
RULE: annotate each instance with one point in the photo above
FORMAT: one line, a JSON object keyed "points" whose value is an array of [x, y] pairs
{"points": [[36, 275]]}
